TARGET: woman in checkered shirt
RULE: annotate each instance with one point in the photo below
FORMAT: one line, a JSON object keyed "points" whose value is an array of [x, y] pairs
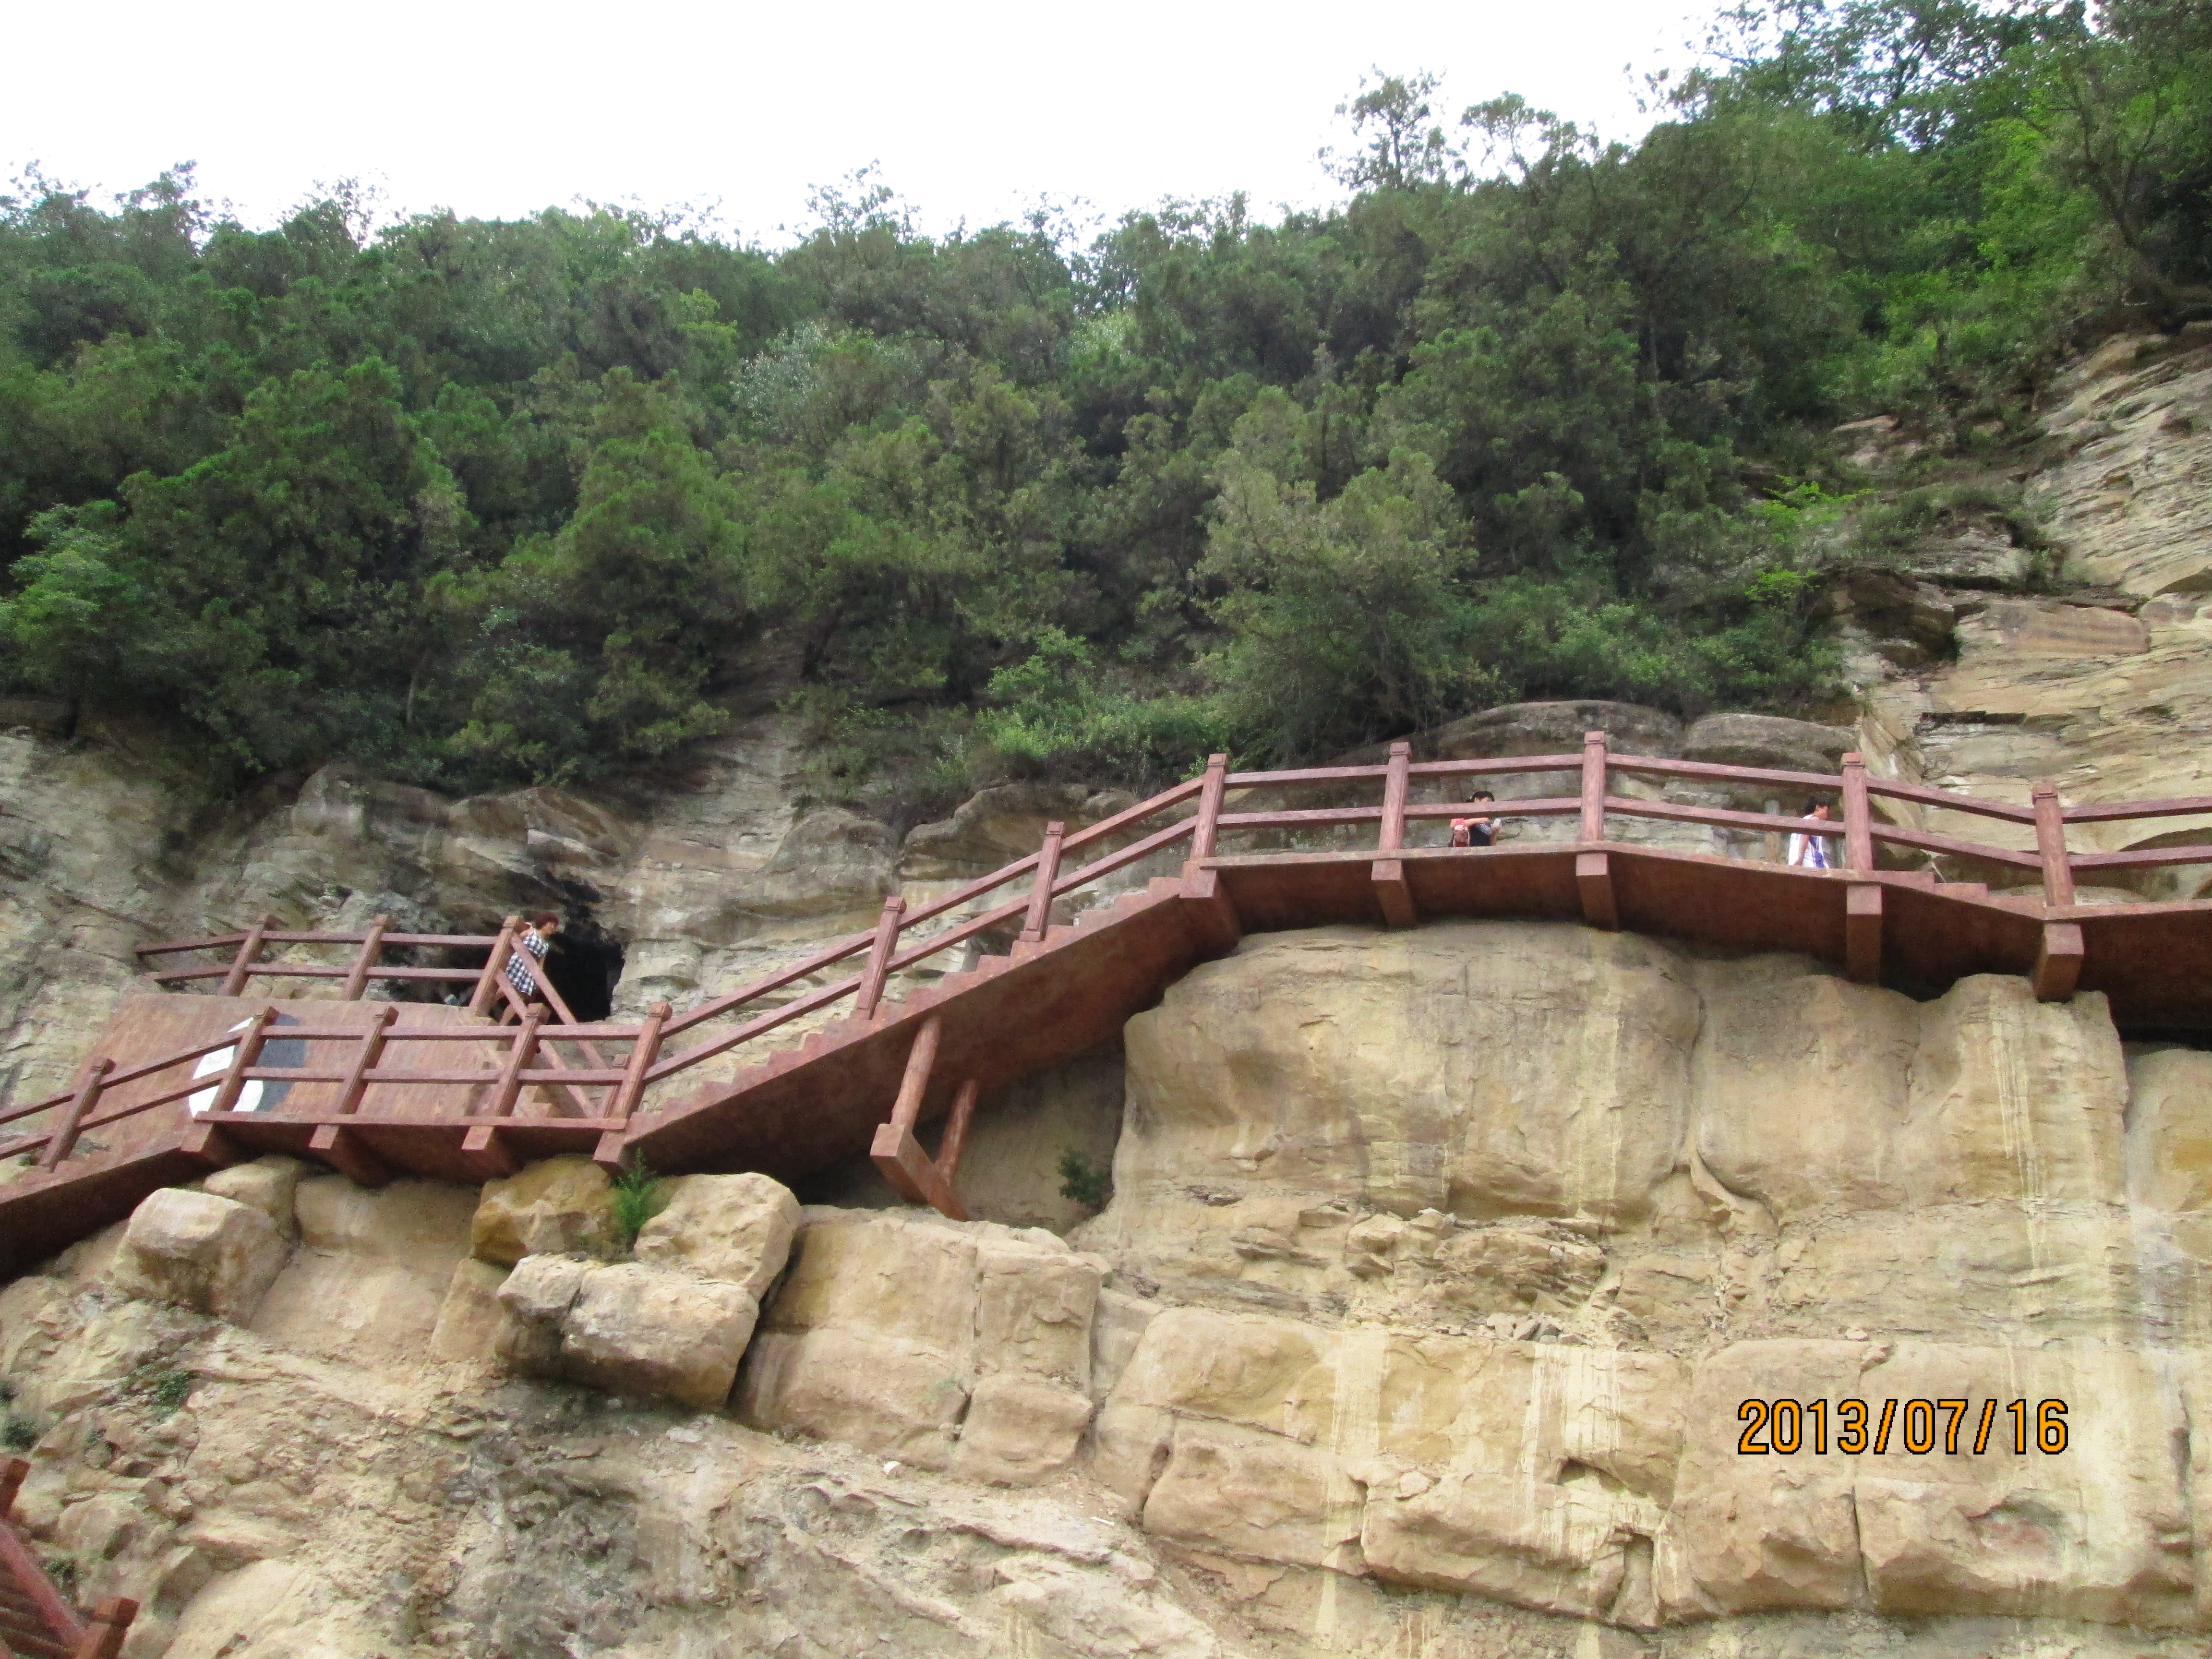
{"points": [[531, 945]]}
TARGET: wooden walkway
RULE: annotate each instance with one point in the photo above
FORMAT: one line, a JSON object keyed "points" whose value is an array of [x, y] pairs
{"points": [[400, 1088]]}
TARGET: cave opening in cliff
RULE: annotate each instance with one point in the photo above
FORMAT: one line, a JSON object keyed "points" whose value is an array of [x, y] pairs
{"points": [[584, 966]]}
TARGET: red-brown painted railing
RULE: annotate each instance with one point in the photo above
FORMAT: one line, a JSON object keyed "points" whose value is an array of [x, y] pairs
{"points": [[37, 1622], [898, 941]]}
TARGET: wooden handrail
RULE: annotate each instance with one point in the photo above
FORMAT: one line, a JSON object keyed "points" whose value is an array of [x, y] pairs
{"points": [[896, 943]]}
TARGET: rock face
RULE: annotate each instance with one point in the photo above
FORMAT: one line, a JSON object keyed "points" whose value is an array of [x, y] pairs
{"points": [[946, 1344], [1440, 1266], [2097, 682]]}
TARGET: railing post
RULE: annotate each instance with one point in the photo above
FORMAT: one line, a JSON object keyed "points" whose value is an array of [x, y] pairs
{"points": [[63, 1141], [1047, 872], [518, 1061], [247, 1053], [642, 1054], [1396, 784], [371, 948], [480, 1000], [1858, 815], [1593, 767], [879, 957], [2051, 843], [242, 966], [13, 1473], [105, 1631], [365, 1059], [1204, 832]]}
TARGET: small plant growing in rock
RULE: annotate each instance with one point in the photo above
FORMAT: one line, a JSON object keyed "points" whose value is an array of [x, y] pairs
{"points": [[20, 1434], [63, 1571], [169, 1389], [638, 1196], [1083, 1182]]}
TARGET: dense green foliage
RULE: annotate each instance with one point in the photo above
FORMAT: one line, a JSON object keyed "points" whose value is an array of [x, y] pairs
{"points": [[1528, 415]]}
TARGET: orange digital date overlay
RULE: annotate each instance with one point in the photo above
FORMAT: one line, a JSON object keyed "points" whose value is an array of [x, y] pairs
{"points": [[1785, 1427]]}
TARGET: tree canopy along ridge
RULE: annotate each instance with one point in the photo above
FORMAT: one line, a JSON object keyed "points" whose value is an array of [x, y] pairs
{"points": [[1529, 414]]}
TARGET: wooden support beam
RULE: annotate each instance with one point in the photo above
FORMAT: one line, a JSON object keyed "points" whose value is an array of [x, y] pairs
{"points": [[2051, 845], [207, 1146], [911, 1171], [1862, 933], [1391, 892], [956, 1129], [1858, 819], [486, 989], [912, 1174], [365, 1057], [2058, 961], [1039, 916], [1207, 828], [612, 1153], [344, 1151], [920, 1060], [1209, 910], [111, 1622], [1594, 876], [880, 950], [372, 947], [487, 1153], [62, 1140], [1593, 817], [242, 966], [12, 1472]]}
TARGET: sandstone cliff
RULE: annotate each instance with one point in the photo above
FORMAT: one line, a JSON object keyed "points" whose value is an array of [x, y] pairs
{"points": [[1437, 1268]]}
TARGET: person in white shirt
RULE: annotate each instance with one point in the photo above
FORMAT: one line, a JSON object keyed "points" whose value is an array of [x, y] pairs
{"points": [[1813, 852]]}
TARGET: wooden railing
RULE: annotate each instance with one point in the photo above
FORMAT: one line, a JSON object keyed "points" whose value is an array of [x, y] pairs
{"points": [[1015, 904], [36, 1619]]}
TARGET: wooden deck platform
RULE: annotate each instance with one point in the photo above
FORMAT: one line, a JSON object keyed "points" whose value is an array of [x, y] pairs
{"points": [[866, 1080]]}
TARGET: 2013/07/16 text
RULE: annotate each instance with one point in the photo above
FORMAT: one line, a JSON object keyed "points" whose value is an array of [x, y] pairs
{"points": [[1790, 1426]]}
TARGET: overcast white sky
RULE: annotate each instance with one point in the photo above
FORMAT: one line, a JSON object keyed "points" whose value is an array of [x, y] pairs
{"points": [[974, 108]]}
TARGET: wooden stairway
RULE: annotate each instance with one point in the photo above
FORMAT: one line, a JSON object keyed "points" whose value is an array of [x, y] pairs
{"points": [[883, 1066]]}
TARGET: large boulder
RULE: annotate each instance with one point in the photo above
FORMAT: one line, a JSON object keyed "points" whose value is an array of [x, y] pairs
{"points": [[1554, 728], [671, 1324], [552, 1207], [1768, 740], [212, 1254], [637, 1331], [734, 1228], [270, 1184], [626, 1327]]}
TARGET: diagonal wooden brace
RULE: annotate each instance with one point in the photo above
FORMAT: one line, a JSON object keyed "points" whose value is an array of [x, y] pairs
{"points": [[912, 1173]]}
